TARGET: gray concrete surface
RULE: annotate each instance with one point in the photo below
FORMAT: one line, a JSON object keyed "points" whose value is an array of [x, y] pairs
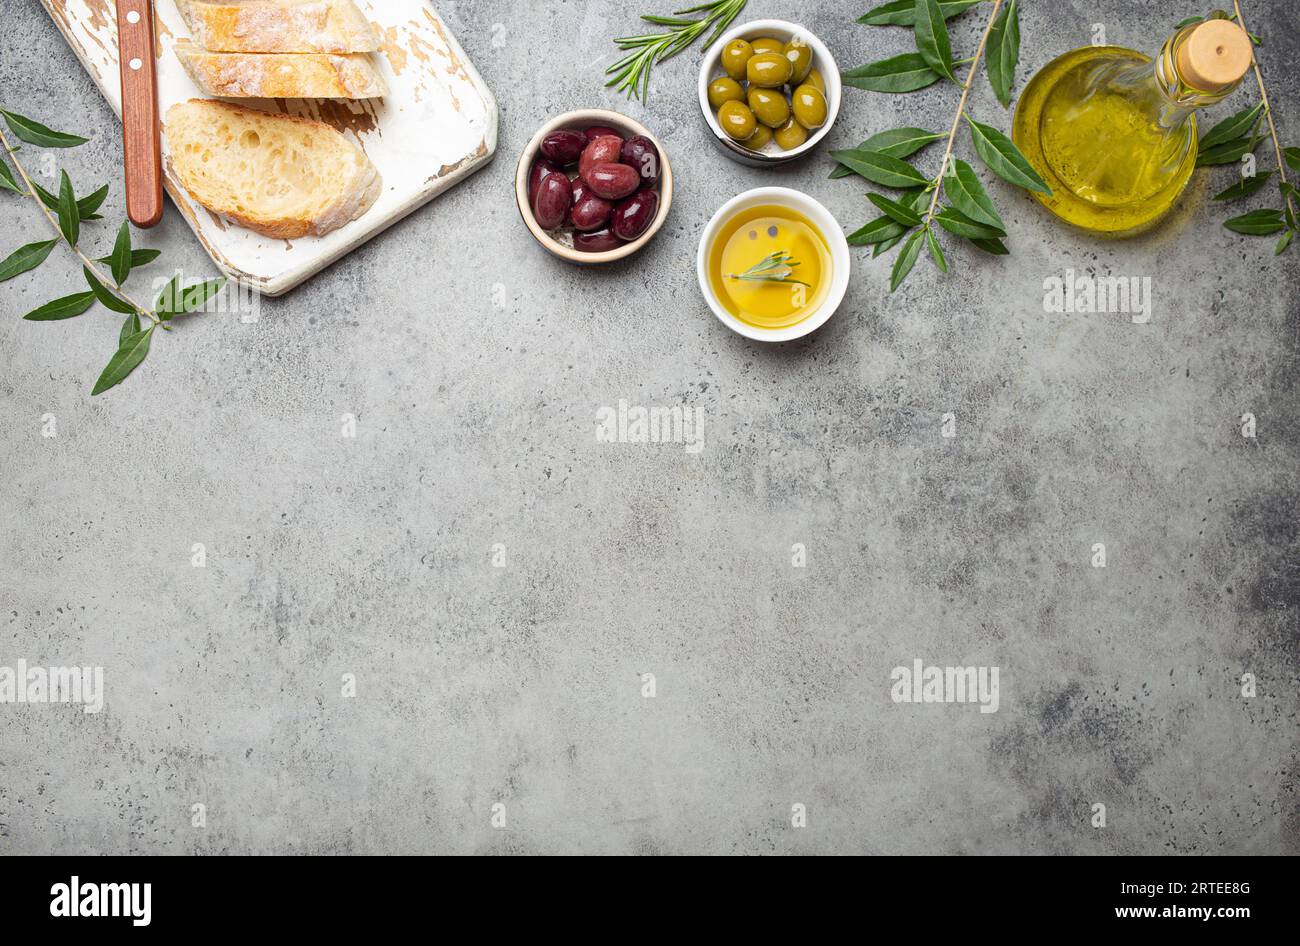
{"points": [[522, 685]]}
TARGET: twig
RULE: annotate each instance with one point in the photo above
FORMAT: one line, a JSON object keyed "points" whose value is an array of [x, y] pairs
{"points": [[90, 264], [1268, 109], [961, 109]]}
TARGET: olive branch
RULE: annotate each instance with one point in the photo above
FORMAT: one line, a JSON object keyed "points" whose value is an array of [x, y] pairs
{"points": [[1239, 135], [66, 213], [969, 213]]}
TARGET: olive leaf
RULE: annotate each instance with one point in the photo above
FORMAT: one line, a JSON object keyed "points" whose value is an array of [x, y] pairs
{"points": [[175, 300], [1244, 187], [86, 206], [1231, 128], [196, 297], [896, 211], [1292, 156], [1004, 158], [138, 258], [956, 222], [906, 260], [962, 186], [895, 142], [1257, 223], [1003, 52], [932, 40], [905, 73], [105, 297], [877, 231], [1230, 152], [936, 252], [994, 246], [881, 168], [1283, 243], [69, 213], [64, 308], [7, 179], [34, 133], [25, 258], [903, 12], [120, 262], [886, 230], [130, 327], [129, 355]]}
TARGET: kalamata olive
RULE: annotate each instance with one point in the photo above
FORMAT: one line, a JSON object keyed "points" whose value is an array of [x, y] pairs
{"points": [[601, 131], [640, 153], [580, 193], [633, 215], [613, 181], [564, 147], [607, 149], [539, 170], [590, 213], [599, 242], [553, 199]]}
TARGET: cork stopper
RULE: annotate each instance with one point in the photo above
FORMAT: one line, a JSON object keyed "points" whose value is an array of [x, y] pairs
{"points": [[1214, 56]]}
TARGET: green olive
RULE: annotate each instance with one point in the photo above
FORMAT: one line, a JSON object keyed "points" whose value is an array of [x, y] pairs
{"points": [[768, 70], [809, 107], [769, 106], [791, 135], [723, 89], [815, 80], [734, 58], [759, 140], [801, 59], [767, 44], [737, 120]]}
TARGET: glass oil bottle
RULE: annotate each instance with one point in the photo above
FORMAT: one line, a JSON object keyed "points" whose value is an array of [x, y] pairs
{"points": [[1113, 132]]}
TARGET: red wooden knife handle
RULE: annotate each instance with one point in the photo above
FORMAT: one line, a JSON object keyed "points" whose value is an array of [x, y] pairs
{"points": [[141, 150]]}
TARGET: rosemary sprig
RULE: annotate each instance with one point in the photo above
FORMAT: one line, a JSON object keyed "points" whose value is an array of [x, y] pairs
{"points": [[632, 73], [66, 213], [778, 267]]}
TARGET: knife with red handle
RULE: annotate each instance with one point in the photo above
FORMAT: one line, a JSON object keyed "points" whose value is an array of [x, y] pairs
{"points": [[141, 150]]}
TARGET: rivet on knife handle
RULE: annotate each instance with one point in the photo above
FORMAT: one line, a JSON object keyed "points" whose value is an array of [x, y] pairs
{"points": [[140, 145]]}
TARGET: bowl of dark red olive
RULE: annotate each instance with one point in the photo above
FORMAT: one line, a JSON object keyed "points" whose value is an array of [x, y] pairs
{"points": [[594, 186]]}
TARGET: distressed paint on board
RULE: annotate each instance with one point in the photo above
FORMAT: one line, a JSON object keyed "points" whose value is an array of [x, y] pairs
{"points": [[436, 127]]}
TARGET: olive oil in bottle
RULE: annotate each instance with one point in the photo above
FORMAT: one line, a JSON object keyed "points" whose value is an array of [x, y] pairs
{"points": [[1113, 132]]}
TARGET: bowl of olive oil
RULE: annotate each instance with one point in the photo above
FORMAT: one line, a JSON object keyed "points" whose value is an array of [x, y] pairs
{"points": [[773, 264]]}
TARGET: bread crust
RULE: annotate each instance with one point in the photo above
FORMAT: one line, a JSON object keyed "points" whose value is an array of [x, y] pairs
{"points": [[281, 75], [313, 26], [356, 192]]}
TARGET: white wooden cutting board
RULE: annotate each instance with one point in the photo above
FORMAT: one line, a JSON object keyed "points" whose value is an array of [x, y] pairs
{"points": [[436, 127]]}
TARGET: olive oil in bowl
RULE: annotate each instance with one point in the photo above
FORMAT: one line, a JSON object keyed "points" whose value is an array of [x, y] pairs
{"points": [[1113, 132], [768, 266]]}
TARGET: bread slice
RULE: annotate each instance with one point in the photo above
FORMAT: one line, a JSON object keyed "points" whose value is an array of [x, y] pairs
{"points": [[279, 26], [280, 175], [281, 75]]}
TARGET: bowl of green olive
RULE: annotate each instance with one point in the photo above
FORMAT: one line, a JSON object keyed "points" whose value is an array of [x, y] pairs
{"points": [[769, 91]]}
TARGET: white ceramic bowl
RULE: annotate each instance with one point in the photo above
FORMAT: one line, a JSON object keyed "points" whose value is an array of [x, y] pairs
{"points": [[823, 62], [841, 261]]}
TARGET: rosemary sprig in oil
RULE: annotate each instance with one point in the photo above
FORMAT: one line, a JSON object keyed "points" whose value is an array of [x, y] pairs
{"points": [[632, 73], [778, 267]]}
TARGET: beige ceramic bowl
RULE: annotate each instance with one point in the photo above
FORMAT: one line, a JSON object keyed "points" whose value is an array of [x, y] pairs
{"points": [[561, 243]]}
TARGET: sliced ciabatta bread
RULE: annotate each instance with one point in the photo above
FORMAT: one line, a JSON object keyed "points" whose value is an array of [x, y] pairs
{"points": [[279, 26], [281, 75], [283, 176]]}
